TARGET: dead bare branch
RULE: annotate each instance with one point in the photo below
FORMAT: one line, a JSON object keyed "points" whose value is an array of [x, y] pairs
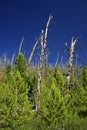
{"points": [[21, 43]]}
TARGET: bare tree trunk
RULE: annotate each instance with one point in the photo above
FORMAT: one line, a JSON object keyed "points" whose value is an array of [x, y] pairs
{"points": [[12, 59], [38, 89], [70, 66], [45, 49], [46, 30], [42, 61], [21, 43], [42, 52], [57, 60], [40, 68], [33, 50]]}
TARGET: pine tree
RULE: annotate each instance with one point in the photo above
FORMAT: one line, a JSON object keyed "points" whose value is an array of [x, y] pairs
{"points": [[15, 107], [20, 64], [83, 94], [60, 79], [1, 73], [52, 105], [76, 104]]}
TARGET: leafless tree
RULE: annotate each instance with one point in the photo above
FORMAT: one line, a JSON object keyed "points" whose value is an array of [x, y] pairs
{"points": [[21, 43], [42, 58], [70, 63], [33, 50]]}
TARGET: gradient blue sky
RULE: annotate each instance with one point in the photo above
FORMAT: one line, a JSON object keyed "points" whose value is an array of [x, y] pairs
{"points": [[28, 17]]}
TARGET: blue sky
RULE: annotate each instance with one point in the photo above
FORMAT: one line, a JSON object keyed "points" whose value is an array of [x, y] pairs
{"points": [[28, 17]]}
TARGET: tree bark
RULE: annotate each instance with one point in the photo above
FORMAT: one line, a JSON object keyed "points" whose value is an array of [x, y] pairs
{"points": [[70, 65]]}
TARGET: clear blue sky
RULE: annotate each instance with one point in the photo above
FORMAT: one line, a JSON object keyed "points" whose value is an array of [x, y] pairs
{"points": [[28, 17]]}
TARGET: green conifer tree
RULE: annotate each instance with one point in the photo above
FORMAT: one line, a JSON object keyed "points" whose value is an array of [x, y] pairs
{"points": [[83, 94], [52, 105], [20, 64], [15, 107]]}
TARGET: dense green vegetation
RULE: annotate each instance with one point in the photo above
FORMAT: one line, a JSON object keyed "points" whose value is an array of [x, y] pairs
{"points": [[58, 111]]}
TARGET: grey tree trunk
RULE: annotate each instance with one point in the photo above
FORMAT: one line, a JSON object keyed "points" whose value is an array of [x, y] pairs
{"points": [[70, 65], [21, 43], [42, 62]]}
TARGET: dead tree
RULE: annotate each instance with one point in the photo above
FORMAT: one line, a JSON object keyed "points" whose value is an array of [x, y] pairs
{"points": [[40, 68], [21, 43], [42, 53], [57, 60], [70, 64], [46, 30], [46, 50], [38, 90], [4, 60], [12, 59], [42, 58], [39, 40], [44, 42], [33, 50]]}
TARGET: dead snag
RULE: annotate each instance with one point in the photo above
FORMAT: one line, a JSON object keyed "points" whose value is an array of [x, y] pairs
{"points": [[43, 41], [21, 43], [33, 50], [70, 64]]}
